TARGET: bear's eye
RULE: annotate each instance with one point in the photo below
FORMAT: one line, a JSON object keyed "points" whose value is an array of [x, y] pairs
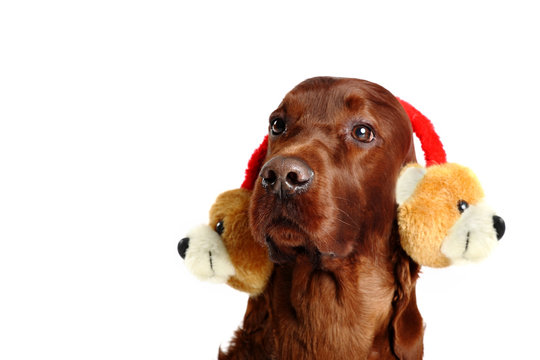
{"points": [[219, 227], [462, 205]]}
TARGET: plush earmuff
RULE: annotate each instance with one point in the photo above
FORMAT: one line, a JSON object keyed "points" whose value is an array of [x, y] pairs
{"points": [[442, 216], [224, 251]]}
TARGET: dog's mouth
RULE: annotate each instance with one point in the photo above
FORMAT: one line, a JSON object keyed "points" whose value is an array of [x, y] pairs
{"points": [[286, 231], [297, 227], [285, 239]]}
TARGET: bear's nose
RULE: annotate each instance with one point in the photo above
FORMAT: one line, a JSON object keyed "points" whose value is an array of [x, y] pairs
{"points": [[286, 176], [182, 247], [498, 224]]}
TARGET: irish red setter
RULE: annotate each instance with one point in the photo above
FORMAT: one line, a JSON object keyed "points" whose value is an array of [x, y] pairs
{"points": [[325, 207]]}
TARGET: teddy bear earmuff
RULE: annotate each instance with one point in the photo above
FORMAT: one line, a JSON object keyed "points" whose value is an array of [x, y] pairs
{"points": [[225, 251], [443, 218]]}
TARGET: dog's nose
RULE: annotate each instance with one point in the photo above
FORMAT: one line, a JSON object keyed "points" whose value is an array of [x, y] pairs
{"points": [[182, 247], [498, 224], [286, 176]]}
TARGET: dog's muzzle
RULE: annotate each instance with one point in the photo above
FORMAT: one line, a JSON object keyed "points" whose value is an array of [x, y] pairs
{"points": [[286, 176]]}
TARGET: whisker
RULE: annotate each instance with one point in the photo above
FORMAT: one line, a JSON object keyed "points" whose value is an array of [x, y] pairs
{"points": [[344, 212], [344, 222], [327, 233], [342, 198], [349, 216]]}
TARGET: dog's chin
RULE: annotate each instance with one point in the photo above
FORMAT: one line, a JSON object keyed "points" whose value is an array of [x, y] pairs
{"points": [[279, 255], [285, 240]]}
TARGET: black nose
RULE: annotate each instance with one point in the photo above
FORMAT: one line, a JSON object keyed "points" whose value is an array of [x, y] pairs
{"points": [[286, 176], [182, 247], [498, 224]]}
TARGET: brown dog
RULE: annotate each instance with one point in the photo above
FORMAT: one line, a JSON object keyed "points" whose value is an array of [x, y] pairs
{"points": [[325, 206]]}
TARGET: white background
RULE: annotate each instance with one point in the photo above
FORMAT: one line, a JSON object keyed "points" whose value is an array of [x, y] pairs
{"points": [[122, 120]]}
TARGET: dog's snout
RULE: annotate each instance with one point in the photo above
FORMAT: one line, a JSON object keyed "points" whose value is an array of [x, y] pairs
{"points": [[500, 227], [286, 176], [182, 247]]}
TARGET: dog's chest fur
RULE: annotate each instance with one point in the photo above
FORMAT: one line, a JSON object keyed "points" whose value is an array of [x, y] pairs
{"points": [[323, 314]]}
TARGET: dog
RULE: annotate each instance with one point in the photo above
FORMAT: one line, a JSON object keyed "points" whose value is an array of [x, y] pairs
{"points": [[325, 207]]}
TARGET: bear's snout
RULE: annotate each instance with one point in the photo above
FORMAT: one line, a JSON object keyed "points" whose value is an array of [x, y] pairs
{"points": [[183, 246], [500, 227]]}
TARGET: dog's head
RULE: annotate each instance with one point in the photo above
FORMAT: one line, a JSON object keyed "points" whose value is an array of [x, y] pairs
{"points": [[327, 188]]}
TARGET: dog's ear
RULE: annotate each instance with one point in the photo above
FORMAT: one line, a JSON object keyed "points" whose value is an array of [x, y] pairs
{"points": [[408, 180], [407, 327]]}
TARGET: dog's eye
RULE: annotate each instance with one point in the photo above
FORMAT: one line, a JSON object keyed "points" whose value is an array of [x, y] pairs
{"points": [[462, 205], [219, 227], [363, 133], [277, 126]]}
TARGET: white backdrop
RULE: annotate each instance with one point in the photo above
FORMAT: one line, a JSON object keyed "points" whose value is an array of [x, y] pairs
{"points": [[122, 120]]}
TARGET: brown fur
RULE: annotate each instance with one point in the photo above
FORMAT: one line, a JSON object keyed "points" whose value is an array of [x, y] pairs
{"points": [[342, 287], [249, 258]]}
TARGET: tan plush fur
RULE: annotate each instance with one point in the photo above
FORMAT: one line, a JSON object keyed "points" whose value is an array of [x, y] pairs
{"points": [[426, 217], [249, 258]]}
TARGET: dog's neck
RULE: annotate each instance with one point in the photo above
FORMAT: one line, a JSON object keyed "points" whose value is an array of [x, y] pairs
{"points": [[338, 308]]}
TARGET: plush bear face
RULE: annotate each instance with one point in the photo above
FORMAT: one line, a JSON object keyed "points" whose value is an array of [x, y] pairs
{"points": [[442, 217], [224, 250]]}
